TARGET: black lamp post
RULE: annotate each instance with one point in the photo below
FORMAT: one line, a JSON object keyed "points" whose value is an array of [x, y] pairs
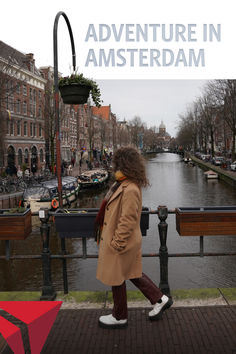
{"points": [[56, 94], [58, 138]]}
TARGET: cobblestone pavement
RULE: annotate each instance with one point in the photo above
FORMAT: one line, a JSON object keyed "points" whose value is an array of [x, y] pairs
{"points": [[206, 329], [181, 330]]}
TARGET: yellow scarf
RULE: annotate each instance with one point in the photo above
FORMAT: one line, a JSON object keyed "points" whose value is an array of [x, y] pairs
{"points": [[119, 176]]}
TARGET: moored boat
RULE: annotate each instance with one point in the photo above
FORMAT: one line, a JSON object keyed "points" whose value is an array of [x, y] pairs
{"points": [[45, 195], [211, 174], [93, 178]]}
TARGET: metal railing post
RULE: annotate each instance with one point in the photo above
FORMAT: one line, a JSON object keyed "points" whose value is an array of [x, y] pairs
{"points": [[58, 138], [48, 292], [163, 250]]}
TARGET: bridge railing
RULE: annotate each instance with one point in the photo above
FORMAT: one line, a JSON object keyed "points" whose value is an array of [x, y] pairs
{"points": [[162, 212]]}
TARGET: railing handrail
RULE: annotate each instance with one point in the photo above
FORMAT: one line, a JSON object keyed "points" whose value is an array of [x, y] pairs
{"points": [[48, 292]]}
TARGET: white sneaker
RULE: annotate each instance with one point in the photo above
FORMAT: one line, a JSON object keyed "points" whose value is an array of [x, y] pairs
{"points": [[159, 308], [111, 322]]}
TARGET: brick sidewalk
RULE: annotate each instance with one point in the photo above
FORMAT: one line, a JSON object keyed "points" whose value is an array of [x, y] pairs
{"points": [[181, 330], [206, 329]]}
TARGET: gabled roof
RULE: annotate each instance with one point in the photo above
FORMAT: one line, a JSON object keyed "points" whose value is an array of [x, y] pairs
{"points": [[15, 57], [103, 112]]}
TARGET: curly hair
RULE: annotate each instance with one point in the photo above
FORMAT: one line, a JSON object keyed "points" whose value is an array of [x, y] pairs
{"points": [[130, 162]]}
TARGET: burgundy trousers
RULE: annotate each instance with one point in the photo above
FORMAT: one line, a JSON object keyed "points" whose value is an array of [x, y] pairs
{"points": [[144, 284]]}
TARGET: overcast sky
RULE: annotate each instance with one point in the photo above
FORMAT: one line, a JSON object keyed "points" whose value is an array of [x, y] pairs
{"points": [[28, 27], [152, 100]]}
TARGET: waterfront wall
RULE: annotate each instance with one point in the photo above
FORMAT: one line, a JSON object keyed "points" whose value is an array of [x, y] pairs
{"points": [[226, 176]]}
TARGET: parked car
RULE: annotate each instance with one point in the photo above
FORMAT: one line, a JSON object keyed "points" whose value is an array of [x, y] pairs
{"points": [[206, 157], [233, 166], [198, 154], [218, 160]]}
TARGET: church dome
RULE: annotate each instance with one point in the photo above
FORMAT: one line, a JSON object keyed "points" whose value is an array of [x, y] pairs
{"points": [[162, 125]]}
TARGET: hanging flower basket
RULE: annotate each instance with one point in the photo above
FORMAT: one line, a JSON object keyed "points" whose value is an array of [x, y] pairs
{"points": [[75, 89], [75, 93], [15, 224]]}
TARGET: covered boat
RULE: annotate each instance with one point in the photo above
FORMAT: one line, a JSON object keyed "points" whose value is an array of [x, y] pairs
{"points": [[45, 195], [93, 178], [211, 174]]}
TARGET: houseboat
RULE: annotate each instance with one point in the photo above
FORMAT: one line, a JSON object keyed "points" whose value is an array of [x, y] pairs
{"points": [[45, 194]]}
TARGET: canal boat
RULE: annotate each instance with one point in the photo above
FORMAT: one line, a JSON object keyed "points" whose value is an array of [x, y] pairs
{"points": [[187, 160], [211, 174], [95, 178], [45, 194]]}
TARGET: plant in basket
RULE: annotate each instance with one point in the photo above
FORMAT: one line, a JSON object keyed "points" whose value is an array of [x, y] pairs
{"points": [[75, 89]]}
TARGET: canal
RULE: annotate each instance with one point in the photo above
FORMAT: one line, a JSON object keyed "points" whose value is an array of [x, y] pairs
{"points": [[172, 183]]}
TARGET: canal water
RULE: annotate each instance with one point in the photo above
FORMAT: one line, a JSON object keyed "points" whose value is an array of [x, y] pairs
{"points": [[174, 184]]}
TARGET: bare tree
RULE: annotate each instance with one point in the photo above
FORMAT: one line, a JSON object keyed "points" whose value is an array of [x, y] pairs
{"points": [[103, 132], [137, 127], [208, 117], [224, 93], [92, 129], [185, 131], [150, 138], [50, 123]]}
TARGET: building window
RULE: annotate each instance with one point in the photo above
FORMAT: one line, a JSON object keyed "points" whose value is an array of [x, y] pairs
{"points": [[31, 129], [24, 108], [34, 95], [31, 66], [40, 95], [31, 109], [18, 127], [41, 155], [24, 90], [18, 110], [33, 103], [20, 157], [34, 130], [12, 128], [10, 104], [40, 130], [26, 156], [8, 128], [40, 112], [18, 88], [25, 129]]}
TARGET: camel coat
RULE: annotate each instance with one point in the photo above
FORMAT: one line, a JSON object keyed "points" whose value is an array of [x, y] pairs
{"points": [[120, 255]]}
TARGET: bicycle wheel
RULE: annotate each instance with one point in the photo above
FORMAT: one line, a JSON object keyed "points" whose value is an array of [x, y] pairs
{"points": [[22, 186], [12, 188]]}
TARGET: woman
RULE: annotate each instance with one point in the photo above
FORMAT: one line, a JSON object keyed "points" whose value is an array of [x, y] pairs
{"points": [[120, 255]]}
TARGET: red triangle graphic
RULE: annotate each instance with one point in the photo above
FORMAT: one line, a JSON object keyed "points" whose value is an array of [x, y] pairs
{"points": [[12, 335], [38, 315], [40, 328]]}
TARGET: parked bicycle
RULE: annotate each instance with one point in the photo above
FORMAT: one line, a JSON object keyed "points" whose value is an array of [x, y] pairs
{"points": [[7, 185]]}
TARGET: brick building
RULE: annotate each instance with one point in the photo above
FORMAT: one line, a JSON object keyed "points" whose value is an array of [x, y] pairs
{"points": [[96, 128], [27, 124], [21, 108]]}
